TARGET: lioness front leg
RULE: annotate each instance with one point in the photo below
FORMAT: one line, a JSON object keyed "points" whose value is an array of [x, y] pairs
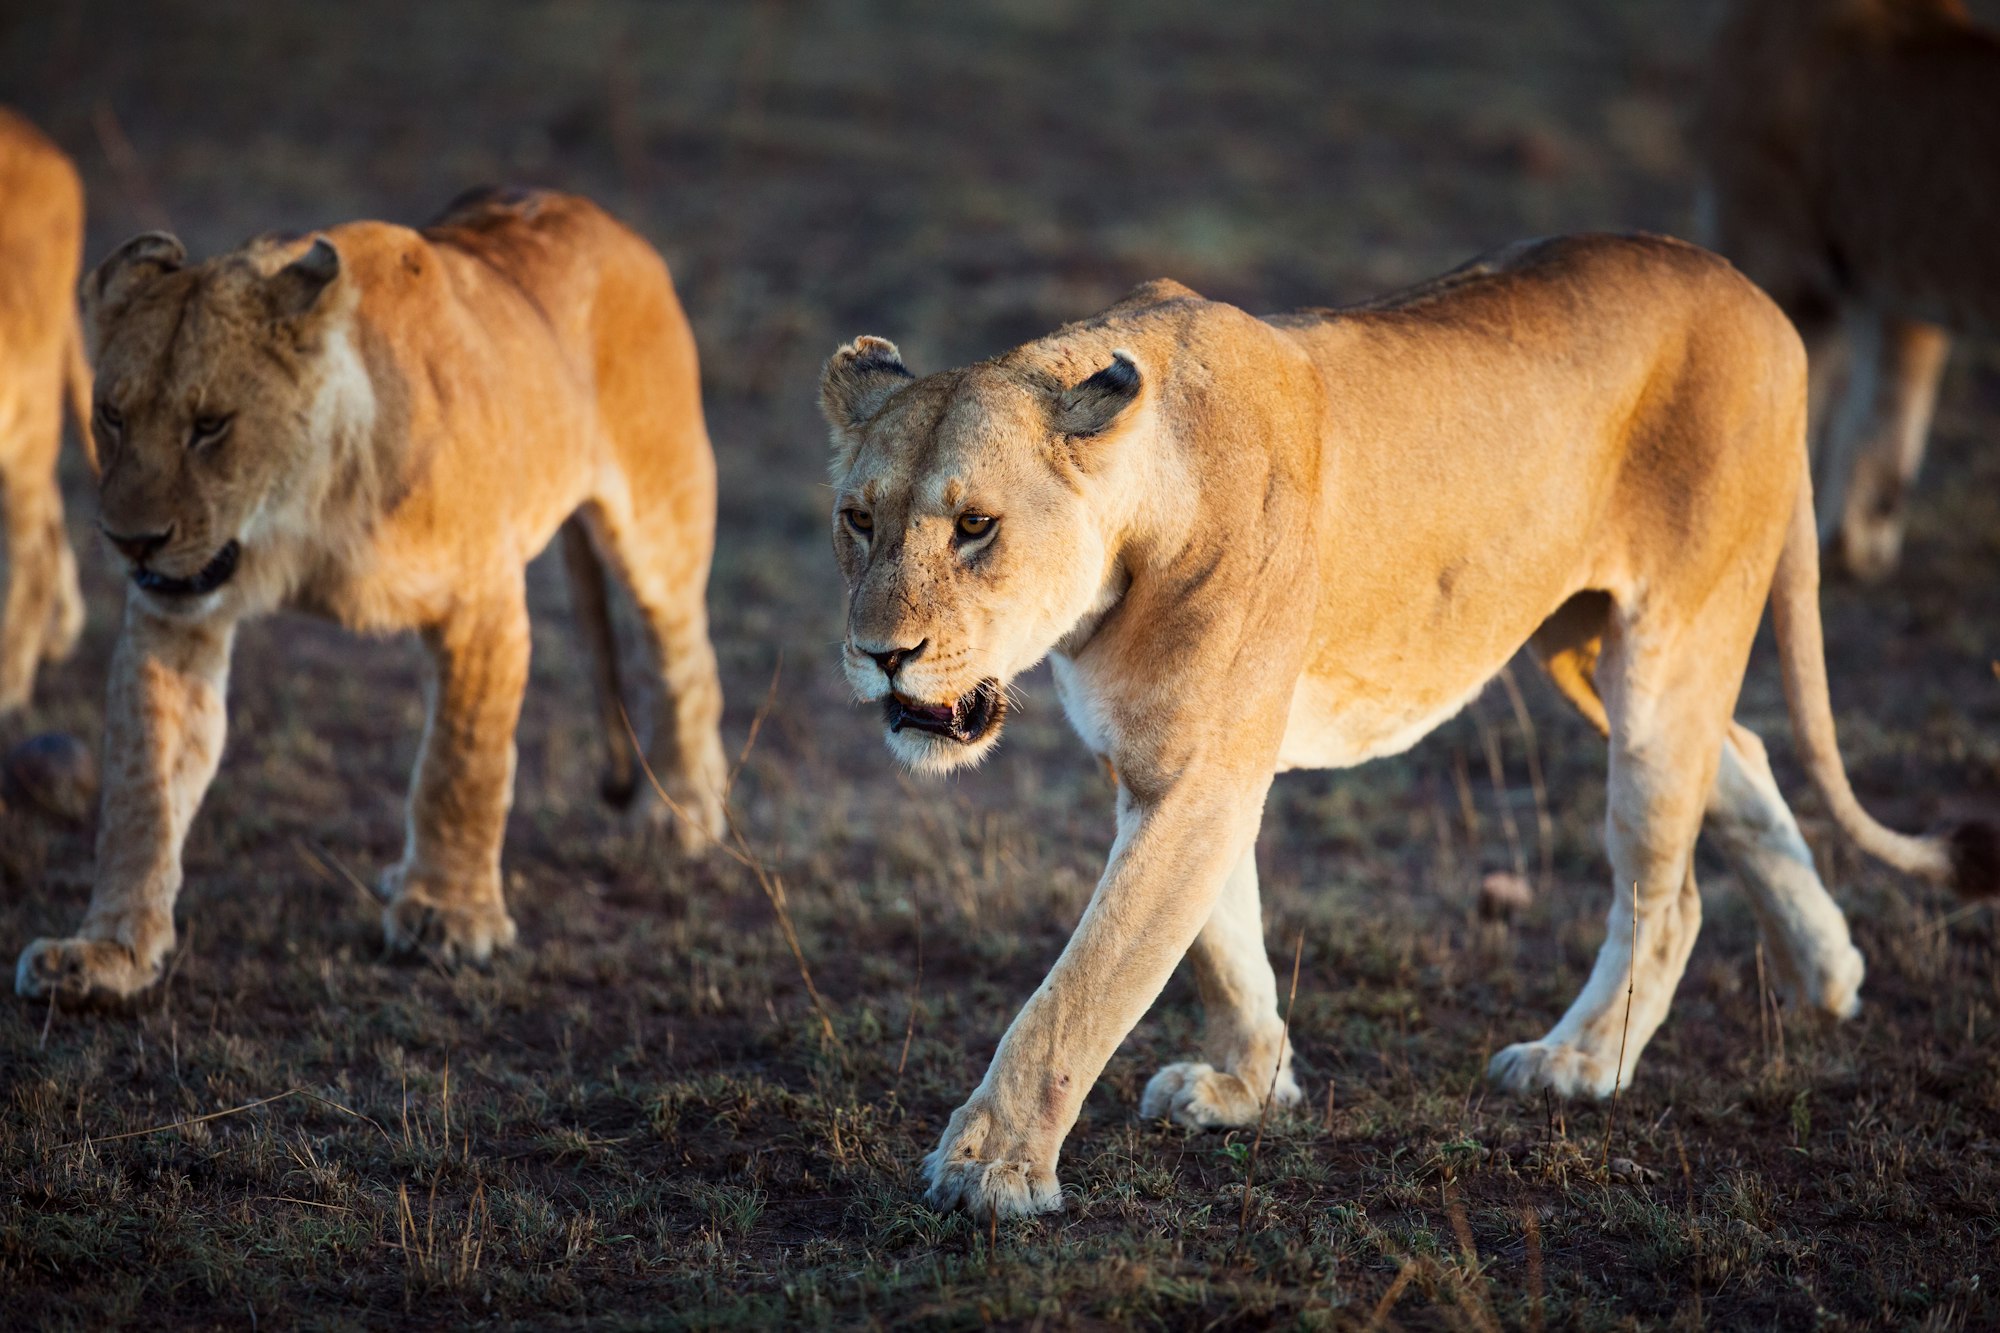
{"points": [[1167, 868], [1244, 1036], [445, 895], [164, 724]]}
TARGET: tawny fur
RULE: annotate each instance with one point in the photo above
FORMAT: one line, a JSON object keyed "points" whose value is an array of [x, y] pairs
{"points": [[1850, 170], [409, 418], [41, 364], [1252, 545]]}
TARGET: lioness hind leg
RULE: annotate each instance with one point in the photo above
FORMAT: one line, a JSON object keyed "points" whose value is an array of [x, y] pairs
{"points": [[1815, 959], [1667, 711], [43, 611], [665, 567], [1243, 1034], [445, 896]]}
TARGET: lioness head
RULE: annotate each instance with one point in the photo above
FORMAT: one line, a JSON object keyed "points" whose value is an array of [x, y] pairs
{"points": [[206, 381], [975, 518]]}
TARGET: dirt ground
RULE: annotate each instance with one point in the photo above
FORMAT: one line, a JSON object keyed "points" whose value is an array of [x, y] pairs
{"points": [[639, 1119]]}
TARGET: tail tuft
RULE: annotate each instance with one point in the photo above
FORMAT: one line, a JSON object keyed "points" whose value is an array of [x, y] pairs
{"points": [[1975, 858]]}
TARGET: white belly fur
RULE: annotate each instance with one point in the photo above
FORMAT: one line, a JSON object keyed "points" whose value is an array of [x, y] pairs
{"points": [[1331, 727]]}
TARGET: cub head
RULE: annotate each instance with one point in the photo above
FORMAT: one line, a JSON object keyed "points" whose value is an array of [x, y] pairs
{"points": [[975, 517], [207, 380]]}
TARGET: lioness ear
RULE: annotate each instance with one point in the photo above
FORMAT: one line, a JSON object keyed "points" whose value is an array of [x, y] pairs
{"points": [[858, 380], [1092, 406], [297, 287], [138, 261]]}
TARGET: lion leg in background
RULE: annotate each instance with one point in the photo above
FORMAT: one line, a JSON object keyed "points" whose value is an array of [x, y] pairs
{"points": [[1243, 1030], [1166, 874], [1668, 705], [1876, 442], [43, 614], [164, 726], [664, 566], [445, 896], [1816, 962]]}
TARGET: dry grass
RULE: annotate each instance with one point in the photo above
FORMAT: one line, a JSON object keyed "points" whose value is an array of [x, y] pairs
{"points": [[639, 1118]]}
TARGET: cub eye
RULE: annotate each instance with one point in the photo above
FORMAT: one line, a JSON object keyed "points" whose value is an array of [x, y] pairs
{"points": [[209, 428], [112, 418], [974, 526], [860, 520]]}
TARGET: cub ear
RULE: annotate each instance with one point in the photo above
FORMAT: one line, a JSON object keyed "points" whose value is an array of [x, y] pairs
{"points": [[858, 380], [1092, 407], [298, 286], [133, 264]]}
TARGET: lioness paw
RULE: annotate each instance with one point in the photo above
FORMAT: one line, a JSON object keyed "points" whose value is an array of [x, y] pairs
{"points": [[74, 970], [693, 825], [991, 1189], [1203, 1097], [1009, 1183], [1567, 1071], [416, 921]]}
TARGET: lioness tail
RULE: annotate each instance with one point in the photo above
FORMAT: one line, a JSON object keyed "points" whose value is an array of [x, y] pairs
{"points": [[1965, 856], [590, 600]]}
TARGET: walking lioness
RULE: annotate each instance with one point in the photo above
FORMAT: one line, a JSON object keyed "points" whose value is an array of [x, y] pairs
{"points": [[1252, 545], [41, 362], [1849, 154], [382, 426]]}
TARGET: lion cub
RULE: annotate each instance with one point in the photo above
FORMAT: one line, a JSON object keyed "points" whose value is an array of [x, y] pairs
{"points": [[1849, 152], [41, 356], [382, 427]]}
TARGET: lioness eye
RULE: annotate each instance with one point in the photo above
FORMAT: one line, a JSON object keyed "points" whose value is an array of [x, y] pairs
{"points": [[207, 428], [974, 526], [860, 520]]}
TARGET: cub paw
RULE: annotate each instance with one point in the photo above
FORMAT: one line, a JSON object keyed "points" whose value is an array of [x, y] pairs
{"points": [[79, 970], [1567, 1071], [417, 920], [1203, 1097], [1010, 1183]]}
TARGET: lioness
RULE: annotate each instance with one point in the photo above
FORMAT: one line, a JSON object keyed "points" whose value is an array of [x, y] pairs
{"points": [[382, 426], [41, 358], [1252, 545], [1850, 169]]}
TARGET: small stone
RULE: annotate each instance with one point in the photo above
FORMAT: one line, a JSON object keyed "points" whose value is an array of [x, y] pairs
{"points": [[53, 773], [1502, 894]]}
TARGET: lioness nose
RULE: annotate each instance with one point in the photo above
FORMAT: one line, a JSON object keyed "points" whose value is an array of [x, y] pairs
{"points": [[895, 657], [136, 547]]}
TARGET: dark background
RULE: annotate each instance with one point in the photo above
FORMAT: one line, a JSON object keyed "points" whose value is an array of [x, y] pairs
{"points": [[638, 1116]]}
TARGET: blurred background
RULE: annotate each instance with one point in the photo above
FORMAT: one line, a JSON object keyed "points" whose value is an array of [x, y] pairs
{"points": [[957, 177]]}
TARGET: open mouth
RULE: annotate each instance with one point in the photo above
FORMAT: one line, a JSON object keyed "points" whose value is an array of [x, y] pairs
{"points": [[204, 580], [965, 720]]}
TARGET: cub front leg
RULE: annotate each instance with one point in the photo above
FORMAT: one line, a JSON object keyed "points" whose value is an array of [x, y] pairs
{"points": [[1244, 1037], [164, 726], [444, 897], [1167, 868]]}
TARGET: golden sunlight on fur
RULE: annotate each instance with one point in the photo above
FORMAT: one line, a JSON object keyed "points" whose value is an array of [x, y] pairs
{"points": [[1251, 545], [382, 427], [41, 360], [1849, 150]]}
